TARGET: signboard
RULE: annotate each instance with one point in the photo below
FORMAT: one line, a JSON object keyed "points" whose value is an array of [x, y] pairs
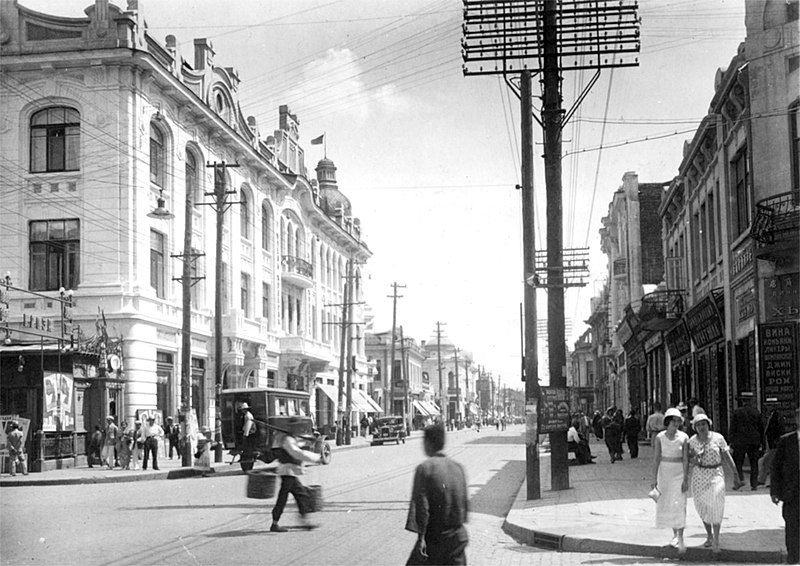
{"points": [[58, 402], [779, 382], [145, 414], [704, 323], [677, 339], [741, 259], [782, 297], [554, 413], [24, 425]]}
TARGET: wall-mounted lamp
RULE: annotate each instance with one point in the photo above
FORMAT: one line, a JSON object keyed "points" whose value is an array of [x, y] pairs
{"points": [[160, 212], [21, 365]]}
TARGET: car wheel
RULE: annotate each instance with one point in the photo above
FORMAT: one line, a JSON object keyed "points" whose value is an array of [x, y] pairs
{"points": [[326, 454]]}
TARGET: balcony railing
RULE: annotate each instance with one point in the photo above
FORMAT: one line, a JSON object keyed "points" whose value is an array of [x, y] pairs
{"points": [[297, 265], [661, 309], [777, 219]]}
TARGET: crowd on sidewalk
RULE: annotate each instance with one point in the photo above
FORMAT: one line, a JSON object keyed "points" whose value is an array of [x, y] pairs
{"points": [[132, 447], [689, 459]]}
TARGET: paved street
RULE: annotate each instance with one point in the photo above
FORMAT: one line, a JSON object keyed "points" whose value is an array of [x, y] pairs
{"points": [[210, 521]]}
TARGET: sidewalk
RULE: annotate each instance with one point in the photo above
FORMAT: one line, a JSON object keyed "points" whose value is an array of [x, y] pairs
{"points": [[168, 469], [607, 510]]}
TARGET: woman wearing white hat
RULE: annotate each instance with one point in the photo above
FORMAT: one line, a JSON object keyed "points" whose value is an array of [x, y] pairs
{"points": [[708, 451], [670, 470]]}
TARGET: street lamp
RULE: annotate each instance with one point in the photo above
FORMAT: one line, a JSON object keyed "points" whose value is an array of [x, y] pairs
{"points": [[160, 212]]}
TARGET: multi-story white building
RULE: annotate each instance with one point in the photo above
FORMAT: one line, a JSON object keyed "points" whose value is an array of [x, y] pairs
{"points": [[100, 119]]}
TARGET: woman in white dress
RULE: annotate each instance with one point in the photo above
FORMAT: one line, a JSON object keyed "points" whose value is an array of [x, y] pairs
{"points": [[708, 451], [670, 470]]}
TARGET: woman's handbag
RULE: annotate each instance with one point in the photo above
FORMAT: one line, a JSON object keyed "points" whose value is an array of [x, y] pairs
{"points": [[654, 494]]}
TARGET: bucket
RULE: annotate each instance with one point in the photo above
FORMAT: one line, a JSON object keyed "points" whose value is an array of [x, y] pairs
{"points": [[261, 484], [314, 498]]}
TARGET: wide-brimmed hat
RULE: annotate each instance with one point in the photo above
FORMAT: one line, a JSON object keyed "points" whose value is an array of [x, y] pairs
{"points": [[673, 412], [110, 419], [701, 417], [244, 406]]}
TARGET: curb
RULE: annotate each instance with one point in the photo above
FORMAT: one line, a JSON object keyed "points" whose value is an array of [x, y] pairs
{"points": [[174, 474], [568, 543]]}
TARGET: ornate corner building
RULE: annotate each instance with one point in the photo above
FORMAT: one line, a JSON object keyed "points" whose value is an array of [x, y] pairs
{"points": [[101, 123]]}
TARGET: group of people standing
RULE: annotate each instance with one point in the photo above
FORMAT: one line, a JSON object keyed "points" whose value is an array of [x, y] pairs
{"points": [[615, 429], [126, 446], [689, 457]]}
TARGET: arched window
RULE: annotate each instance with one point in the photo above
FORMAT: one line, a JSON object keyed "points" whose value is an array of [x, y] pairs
{"points": [[244, 213], [266, 227], [192, 179], [283, 236], [55, 140], [157, 156], [289, 239]]}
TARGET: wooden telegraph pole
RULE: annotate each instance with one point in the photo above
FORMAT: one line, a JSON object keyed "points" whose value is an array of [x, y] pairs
{"points": [[550, 36]]}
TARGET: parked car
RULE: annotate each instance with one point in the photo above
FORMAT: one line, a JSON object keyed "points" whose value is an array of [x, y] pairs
{"points": [[388, 429], [271, 408]]}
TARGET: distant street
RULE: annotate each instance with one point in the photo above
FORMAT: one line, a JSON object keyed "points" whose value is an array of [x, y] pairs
{"points": [[210, 521]]}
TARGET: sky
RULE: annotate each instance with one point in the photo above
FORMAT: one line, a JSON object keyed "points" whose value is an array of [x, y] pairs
{"points": [[429, 158]]}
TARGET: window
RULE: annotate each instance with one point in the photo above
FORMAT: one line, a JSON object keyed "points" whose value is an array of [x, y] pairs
{"points": [[192, 179], [157, 156], [245, 295], [54, 254], [741, 192], [157, 254], [244, 212], [712, 229], [55, 140], [794, 145], [266, 227], [223, 287], [266, 291], [703, 238], [696, 246], [164, 377]]}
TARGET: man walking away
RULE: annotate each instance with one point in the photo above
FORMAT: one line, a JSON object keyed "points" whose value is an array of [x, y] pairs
{"points": [[291, 457], [439, 505], [631, 428], [747, 437], [16, 448], [785, 486]]}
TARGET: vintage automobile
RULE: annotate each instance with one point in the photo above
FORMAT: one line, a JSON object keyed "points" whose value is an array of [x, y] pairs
{"points": [[388, 429], [271, 408]]}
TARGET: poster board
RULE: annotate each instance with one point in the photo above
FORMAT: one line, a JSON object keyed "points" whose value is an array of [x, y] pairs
{"points": [[554, 413], [58, 402]]}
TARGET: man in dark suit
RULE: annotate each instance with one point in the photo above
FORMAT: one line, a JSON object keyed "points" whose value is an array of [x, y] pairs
{"points": [[747, 437], [785, 486]]}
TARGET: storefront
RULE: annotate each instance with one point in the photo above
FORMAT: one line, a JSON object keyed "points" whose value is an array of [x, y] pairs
{"points": [[679, 347]]}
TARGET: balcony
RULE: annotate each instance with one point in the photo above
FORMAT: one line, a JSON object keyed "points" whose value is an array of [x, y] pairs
{"points": [[776, 226], [297, 271], [303, 347], [661, 309]]}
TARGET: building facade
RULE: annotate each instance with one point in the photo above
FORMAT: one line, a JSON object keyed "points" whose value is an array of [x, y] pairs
{"points": [[102, 122]]}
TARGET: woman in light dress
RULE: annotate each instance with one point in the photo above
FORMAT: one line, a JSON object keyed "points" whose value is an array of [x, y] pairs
{"points": [[708, 451], [670, 470]]}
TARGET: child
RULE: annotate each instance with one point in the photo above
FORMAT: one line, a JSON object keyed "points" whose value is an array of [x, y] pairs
{"points": [[204, 446]]}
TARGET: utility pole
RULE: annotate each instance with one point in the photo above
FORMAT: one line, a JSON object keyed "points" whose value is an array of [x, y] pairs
{"points": [[389, 408], [348, 290], [504, 38], [404, 377], [220, 205], [442, 396], [457, 380]]}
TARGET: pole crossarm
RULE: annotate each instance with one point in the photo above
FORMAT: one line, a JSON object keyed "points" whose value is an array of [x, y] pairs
{"points": [[507, 36], [574, 269]]}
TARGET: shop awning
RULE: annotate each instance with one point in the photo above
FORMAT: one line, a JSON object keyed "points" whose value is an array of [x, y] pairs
{"points": [[375, 407], [331, 392], [431, 407], [421, 409], [363, 404]]}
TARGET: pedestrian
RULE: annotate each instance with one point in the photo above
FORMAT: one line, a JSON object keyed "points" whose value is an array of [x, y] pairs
{"points": [[655, 422], [773, 433], [108, 456], [291, 459], [686, 424], [597, 426], [124, 446], [249, 431], [708, 451], [137, 444], [579, 444], [93, 455], [747, 437], [15, 440], [204, 446], [670, 473], [613, 437], [584, 426], [631, 429], [364, 425], [172, 434], [439, 505], [785, 486], [150, 435]]}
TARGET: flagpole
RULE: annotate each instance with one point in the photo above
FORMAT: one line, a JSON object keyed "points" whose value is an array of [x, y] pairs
{"points": [[325, 145]]}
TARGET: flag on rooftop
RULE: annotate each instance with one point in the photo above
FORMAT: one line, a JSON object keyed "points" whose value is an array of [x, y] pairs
{"points": [[319, 140]]}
